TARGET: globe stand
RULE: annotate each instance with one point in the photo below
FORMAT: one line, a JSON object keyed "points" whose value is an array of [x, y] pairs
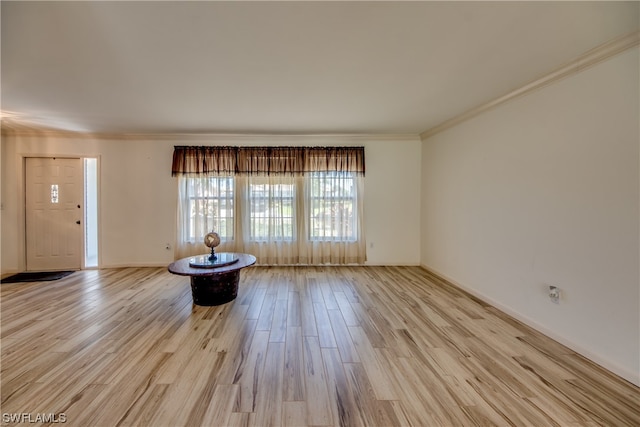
{"points": [[213, 255]]}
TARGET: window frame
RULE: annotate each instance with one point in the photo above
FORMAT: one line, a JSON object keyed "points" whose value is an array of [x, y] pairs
{"points": [[270, 199], [340, 199], [193, 199]]}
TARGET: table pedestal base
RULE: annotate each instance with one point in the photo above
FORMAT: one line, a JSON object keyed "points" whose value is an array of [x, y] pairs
{"points": [[216, 289]]}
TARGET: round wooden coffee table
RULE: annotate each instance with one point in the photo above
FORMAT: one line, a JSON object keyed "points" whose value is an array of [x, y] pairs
{"points": [[213, 282]]}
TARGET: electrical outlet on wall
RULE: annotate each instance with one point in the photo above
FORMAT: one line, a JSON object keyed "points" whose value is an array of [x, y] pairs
{"points": [[554, 294]]}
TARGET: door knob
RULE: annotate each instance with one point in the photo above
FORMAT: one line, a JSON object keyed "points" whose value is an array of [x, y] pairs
{"points": [[78, 222]]}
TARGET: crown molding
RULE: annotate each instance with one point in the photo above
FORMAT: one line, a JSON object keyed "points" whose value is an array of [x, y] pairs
{"points": [[10, 129], [588, 59], [285, 137]]}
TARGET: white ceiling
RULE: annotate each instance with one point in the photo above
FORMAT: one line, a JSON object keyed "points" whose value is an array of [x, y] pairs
{"points": [[282, 67]]}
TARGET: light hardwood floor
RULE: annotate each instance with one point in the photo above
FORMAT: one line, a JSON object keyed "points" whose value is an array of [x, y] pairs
{"points": [[353, 346]]}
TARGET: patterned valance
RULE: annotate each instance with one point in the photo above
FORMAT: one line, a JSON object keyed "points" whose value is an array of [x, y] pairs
{"points": [[215, 160]]}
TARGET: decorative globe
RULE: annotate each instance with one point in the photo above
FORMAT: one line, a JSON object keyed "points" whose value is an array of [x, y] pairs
{"points": [[211, 240]]}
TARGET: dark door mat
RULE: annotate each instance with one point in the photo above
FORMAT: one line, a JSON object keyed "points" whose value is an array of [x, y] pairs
{"points": [[31, 276]]}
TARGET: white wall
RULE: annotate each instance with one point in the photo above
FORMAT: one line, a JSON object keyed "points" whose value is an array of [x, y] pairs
{"points": [[138, 196], [544, 190]]}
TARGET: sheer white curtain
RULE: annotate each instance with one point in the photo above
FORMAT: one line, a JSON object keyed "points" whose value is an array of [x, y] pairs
{"points": [[333, 219], [205, 204], [269, 228], [281, 220], [312, 219]]}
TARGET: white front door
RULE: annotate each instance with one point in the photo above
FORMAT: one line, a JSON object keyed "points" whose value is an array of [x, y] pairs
{"points": [[53, 200]]}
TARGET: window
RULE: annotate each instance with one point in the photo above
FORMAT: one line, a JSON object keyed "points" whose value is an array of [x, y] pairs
{"points": [[332, 199], [272, 206], [210, 207], [285, 205], [54, 193], [91, 212], [272, 209]]}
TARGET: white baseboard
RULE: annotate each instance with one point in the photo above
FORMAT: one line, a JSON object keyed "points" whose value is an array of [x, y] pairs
{"points": [[598, 359], [136, 265]]}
